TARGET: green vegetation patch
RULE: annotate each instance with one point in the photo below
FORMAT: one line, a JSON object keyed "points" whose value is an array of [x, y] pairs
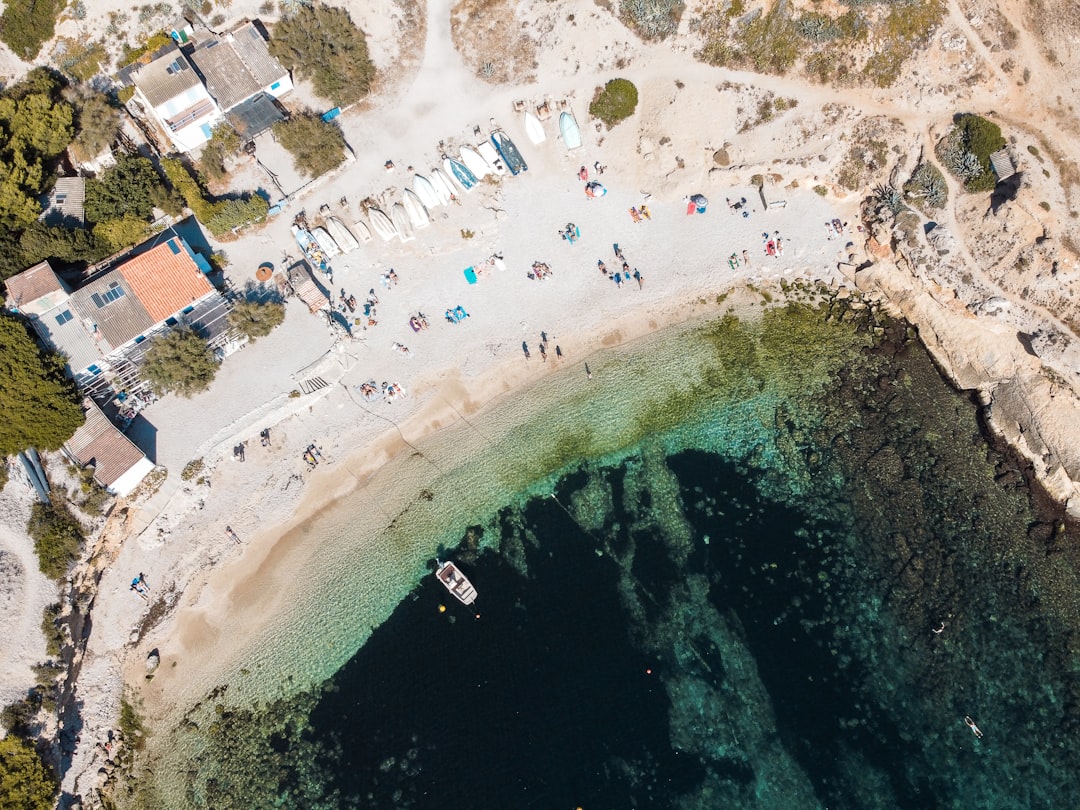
{"points": [[26, 25], [926, 188], [180, 362], [25, 782], [651, 19], [58, 537], [224, 143], [219, 217], [965, 151], [614, 102], [907, 28], [256, 319], [40, 405], [316, 146], [323, 45]]}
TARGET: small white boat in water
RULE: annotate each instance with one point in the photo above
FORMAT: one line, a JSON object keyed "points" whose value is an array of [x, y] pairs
{"points": [[342, 235], [382, 224], [418, 214], [474, 163], [425, 190], [534, 128], [363, 232], [571, 133], [456, 582], [491, 157], [401, 222], [443, 187], [326, 242]]}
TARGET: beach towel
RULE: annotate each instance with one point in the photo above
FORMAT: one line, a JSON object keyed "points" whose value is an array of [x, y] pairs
{"points": [[470, 275]]}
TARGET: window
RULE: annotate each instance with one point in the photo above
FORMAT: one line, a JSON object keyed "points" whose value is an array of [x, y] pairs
{"points": [[114, 292], [64, 317], [188, 310], [175, 248], [171, 322], [140, 339], [93, 369]]}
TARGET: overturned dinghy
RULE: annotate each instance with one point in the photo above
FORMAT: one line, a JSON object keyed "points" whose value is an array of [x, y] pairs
{"points": [[362, 231], [427, 192], [418, 214], [444, 188], [476, 164], [571, 133], [382, 224], [401, 222], [326, 242], [534, 129], [342, 235]]}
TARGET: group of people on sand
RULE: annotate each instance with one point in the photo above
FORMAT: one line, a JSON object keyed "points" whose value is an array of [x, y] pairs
{"points": [[774, 245], [418, 322], [622, 275], [456, 315], [138, 584], [389, 279], [370, 391], [543, 348], [540, 271], [571, 233]]}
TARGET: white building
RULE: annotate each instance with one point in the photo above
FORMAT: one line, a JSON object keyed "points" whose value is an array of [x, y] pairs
{"points": [[172, 92]]}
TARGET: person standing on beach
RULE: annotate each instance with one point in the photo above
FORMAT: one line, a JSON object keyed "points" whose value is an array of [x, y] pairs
{"points": [[543, 351], [746, 257], [639, 278], [588, 373], [525, 349], [558, 351]]}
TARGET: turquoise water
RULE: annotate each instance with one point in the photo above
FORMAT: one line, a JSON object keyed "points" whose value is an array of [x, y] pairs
{"points": [[715, 588]]}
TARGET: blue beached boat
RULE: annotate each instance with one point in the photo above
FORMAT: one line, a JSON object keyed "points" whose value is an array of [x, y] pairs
{"points": [[460, 172], [510, 154]]}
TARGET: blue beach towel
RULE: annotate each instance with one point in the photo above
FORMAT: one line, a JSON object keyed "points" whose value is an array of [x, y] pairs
{"points": [[470, 275]]}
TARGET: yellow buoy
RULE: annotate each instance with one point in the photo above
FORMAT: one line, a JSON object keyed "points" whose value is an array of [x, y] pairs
{"points": [[442, 608]]}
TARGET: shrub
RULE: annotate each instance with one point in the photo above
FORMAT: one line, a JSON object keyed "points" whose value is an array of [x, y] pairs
{"points": [[615, 102], [117, 234], [191, 469], [220, 217], [965, 151], [26, 25], [223, 144], [153, 42], [54, 637], [317, 146], [180, 362], [40, 406], [927, 185], [255, 319], [651, 19], [26, 783], [58, 537], [97, 123], [40, 241], [321, 44]]}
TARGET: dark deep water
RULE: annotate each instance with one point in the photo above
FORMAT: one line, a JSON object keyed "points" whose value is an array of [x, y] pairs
{"points": [[740, 613]]}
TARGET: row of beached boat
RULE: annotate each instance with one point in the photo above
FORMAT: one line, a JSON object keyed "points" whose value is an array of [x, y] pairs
{"points": [[568, 128], [496, 156]]}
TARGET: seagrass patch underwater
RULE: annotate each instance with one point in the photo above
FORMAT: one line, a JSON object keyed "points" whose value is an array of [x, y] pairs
{"points": [[785, 584]]}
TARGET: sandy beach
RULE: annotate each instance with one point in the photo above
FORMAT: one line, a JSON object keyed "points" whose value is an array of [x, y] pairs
{"points": [[212, 600]]}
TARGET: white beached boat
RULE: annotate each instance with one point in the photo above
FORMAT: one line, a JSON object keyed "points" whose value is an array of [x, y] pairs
{"points": [[474, 163], [443, 187], [362, 230], [418, 214], [534, 128], [571, 133], [425, 190], [491, 157], [461, 174], [342, 235], [401, 222], [382, 224], [456, 582], [326, 242]]}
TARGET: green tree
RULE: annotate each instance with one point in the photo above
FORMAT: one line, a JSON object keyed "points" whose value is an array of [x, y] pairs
{"points": [[615, 102], [220, 217], [223, 144], [321, 44], [122, 190], [316, 146], [180, 362], [41, 408], [97, 122], [25, 782], [58, 537], [256, 319], [26, 25], [40, 241], [120, 233]]}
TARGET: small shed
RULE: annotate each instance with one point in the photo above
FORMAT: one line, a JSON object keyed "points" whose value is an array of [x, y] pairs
{"points": [[119, 466], [1003, 164]]}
